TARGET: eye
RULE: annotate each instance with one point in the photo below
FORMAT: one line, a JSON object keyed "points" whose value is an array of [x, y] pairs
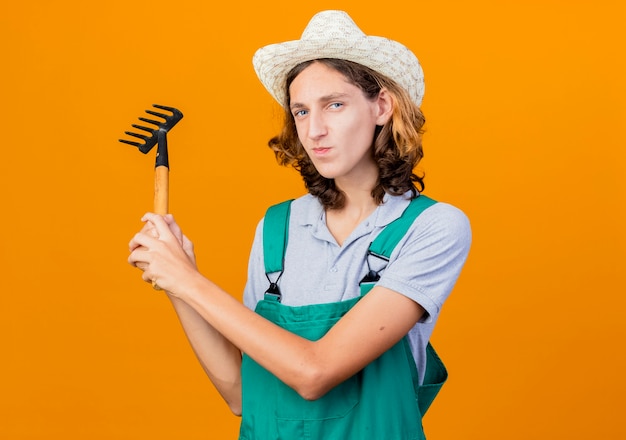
{"points": [[299, 113], [335, 105]]}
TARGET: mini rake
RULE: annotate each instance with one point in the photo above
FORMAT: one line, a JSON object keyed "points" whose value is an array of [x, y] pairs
{"points": [[157, 136]]}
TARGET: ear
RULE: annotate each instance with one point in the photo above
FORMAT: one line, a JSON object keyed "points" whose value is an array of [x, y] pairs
{"points": [[385, 107]]}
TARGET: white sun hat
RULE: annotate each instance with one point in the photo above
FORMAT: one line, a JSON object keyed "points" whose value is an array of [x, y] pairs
{"points": [[333, 34]]}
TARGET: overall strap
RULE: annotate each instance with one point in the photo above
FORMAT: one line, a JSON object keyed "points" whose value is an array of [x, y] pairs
{"points": [[383, 245], [275, 235], [435, 374], [276, 232]]}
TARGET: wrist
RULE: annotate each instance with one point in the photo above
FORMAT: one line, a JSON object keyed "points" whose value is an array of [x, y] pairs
{"points": [[194, 286]]}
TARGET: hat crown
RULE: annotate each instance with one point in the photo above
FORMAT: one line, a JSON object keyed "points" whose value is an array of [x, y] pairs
{"points": [[328, 25], [333, 34]]}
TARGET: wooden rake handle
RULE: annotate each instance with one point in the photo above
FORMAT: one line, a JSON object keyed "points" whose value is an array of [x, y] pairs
{"points": [[161, 181], [161, 189]]}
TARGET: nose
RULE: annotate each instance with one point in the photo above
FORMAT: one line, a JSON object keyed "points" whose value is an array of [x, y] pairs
{"points": [[317, 125]]}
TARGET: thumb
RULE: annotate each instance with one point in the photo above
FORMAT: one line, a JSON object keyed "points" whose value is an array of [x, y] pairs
{"points": [[159, 228]]}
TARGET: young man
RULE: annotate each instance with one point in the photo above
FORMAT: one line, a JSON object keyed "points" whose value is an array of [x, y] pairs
{"points": [[345, 283]]}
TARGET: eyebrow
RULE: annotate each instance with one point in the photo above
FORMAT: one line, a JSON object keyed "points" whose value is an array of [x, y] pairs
{"points": [[325, 98]]}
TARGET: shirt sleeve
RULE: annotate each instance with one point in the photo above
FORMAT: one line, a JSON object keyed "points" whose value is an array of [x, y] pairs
{"points": [[257, 283], [425, 265]]}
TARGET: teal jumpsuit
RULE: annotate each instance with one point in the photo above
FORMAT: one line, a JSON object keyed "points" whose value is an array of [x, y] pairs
{"points": [[384, 401]]}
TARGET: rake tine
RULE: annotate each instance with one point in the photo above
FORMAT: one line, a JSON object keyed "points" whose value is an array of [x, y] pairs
{"points": [[157, 134], [173, 110], [134, 144], [150, 121], [160, 115], [137, 135], [141, 127], [164, 107]]}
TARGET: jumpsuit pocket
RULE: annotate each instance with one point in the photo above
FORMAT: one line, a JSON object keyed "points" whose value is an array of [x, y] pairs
{"points": [[337, 403], [329, 417]]}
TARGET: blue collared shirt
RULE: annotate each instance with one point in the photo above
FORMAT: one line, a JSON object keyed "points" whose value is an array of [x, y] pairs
{"points": [[424, 265]]}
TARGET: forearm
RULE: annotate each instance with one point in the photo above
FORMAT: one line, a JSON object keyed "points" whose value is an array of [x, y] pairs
{"points": [[279, 351], [216, 323], [311, 368], [219, 358]]}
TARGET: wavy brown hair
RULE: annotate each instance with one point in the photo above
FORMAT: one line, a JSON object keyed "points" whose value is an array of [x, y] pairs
{"points": [[397, 146]]}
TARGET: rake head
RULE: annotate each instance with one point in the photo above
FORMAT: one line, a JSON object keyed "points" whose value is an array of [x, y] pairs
{"points": [[151, 137]]}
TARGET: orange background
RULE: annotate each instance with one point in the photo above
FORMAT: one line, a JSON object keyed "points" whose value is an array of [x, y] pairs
{"points": [[525, 103]]}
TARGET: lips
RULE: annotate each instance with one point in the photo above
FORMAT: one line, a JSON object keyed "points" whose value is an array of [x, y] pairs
{"points": [[320, 151]]}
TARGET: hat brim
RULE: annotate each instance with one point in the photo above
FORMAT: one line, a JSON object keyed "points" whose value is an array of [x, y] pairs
{"points": [[272, 63]]}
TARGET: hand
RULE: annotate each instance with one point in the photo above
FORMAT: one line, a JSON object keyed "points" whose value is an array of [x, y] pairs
{"points": [[163, 253], [182, 238]]}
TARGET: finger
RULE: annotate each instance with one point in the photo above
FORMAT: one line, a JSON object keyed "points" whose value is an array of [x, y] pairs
{"points": [[187, 245], [188, 248], [174, 227], [139, 258], [148, 228], [141, 265], [141, 239], [161, 226], [147, 278]]}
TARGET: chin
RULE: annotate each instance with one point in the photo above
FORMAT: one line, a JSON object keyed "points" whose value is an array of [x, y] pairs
{"points": [[327, 174], [325, 171]]}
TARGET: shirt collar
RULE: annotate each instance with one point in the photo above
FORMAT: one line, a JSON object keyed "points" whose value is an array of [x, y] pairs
{"points": [[391, 209]]}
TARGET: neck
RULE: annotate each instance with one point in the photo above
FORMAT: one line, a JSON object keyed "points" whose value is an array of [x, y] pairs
{"points": [[358, 191], [359, 204]]}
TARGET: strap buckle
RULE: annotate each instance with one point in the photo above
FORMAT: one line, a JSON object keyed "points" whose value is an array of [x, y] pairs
{"points": [[372, 275], [273, 290]]}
